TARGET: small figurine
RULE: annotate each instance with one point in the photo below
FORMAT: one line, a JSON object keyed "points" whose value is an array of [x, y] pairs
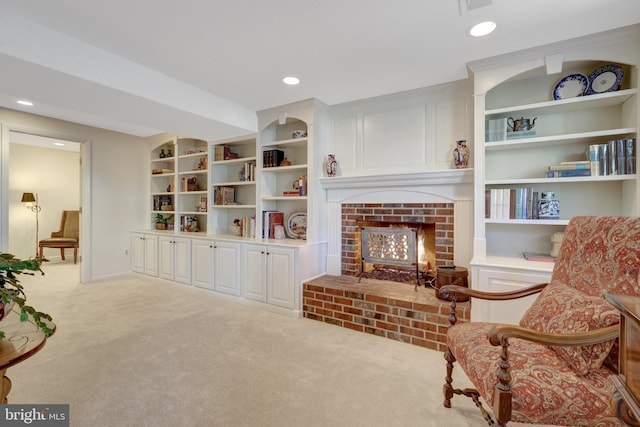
{"points": [[285, 162]]}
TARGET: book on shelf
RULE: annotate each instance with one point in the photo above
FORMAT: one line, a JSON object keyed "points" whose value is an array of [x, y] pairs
{"points": [[266, 223], [272, 158], [571, 166], [275, 219], [537, 256], [521, 134], [496, 130], [224, 195], [222, 152], [511, 203], [568, 173], [615, 157]]}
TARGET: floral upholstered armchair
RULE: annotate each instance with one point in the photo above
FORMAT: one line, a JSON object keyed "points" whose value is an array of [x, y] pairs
{"points": [[554, 367]]}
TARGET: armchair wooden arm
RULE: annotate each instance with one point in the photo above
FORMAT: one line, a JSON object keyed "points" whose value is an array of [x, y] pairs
{"points": [[455, 290], [499, 334]]}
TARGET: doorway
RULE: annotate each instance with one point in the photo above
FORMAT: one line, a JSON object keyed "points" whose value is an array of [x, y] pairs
{"points": [[52, 168]]}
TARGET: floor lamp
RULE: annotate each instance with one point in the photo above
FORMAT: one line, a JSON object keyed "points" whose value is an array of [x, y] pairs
{"points": [[32, 203]]}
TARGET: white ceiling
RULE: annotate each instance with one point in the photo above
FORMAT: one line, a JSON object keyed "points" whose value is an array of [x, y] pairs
{"points": [[204, 67]]}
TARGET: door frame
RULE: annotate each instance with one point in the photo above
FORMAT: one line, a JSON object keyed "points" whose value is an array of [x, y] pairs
{"points": [[85, 189]]}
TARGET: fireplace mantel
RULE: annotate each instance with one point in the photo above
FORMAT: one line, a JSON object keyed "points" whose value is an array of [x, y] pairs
{"points": [[444, 177], [453, 185]]}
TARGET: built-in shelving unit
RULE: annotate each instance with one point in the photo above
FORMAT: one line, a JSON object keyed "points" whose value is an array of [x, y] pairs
{"points": [[233, 173], [564, 131]]}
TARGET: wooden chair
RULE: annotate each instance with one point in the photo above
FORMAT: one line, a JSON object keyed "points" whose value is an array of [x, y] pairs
{"points": [[67, 237], [555, 366]]}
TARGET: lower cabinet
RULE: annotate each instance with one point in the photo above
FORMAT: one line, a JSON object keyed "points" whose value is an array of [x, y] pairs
{"points": [[496, 279], [175, 258], [267, 274], [144, 253], [225, 267], [215, 265]]}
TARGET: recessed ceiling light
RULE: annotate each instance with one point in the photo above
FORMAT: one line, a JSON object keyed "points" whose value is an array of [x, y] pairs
{"points": [[482, 29], [290, 80], [27, 103]]}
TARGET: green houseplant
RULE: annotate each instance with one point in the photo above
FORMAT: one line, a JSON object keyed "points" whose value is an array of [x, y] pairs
{"points": [[12, 292], [162, 221]]}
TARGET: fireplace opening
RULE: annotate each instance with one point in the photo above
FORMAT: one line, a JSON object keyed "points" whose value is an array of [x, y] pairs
{"points": [[435, 237], [400, 252]]}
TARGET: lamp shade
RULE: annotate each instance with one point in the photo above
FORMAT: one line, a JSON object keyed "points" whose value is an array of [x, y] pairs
{"points": [[28, 198]]}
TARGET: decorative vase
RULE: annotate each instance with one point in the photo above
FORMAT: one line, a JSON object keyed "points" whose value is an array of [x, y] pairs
{"points": [[162, 154], [169, 153], [548, 206], [5, 309], [461, 155], [331, 165]]}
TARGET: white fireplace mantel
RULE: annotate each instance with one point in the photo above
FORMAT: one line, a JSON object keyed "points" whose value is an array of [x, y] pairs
{"points": [[454, 185], [444, 177]]}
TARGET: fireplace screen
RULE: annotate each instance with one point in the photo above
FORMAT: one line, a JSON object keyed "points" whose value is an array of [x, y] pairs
{"points": [[389, 246]]}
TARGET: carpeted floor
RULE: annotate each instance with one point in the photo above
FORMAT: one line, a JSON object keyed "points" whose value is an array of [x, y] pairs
{"points": [[139, 351]]}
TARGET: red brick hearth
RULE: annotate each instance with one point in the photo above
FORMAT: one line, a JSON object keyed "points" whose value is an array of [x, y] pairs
{"points": [[387, 309]]}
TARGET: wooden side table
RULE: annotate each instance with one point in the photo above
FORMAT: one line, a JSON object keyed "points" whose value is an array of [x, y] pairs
{"points": [[22, 340], [627, 382]]}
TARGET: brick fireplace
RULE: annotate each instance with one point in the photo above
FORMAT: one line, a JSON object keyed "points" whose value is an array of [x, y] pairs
{"points": [[392, 310], [437, 245]]}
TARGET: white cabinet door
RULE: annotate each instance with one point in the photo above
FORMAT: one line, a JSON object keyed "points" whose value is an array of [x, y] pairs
{"points": [[182, 260], [225, 270], [280, 277], [493, 279], [165, 257], [253, 272], [175, 258], [202, 262], [137, 252], [144, 253], [151, 255]]}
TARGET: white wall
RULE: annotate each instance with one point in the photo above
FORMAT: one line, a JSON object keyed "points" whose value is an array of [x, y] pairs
{"points": [[55, 176], [407, 132], [114, 197]]}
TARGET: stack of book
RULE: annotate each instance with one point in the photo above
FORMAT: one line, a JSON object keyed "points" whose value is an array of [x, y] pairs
{"points": [[272, 158], [248, 172], [568, 169], [269, 221], [511, 203], [497, 130], [615, 157], [222, 152]]}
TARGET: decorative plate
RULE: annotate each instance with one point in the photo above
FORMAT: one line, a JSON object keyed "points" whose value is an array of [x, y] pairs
{"points": [[571, 86], [605, 79], [296, 225]]}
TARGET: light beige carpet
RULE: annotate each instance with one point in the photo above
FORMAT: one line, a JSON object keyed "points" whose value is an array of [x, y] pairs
{"points": [[139, 351]]}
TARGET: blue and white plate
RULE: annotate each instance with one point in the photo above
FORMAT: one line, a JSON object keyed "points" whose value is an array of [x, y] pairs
{"points": [[607, 78], [571, 86]]}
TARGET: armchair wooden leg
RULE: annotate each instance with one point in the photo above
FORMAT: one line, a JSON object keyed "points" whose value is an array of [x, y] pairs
{"points": [[447, 388], [75, 255], [62, 253]]}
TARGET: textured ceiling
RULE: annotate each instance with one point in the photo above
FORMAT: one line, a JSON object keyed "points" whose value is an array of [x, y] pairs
{"points": [[202, 68]]}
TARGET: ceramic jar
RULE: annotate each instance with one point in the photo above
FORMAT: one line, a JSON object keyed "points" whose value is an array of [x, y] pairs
{"points": [[461, 155], [548, 206]]}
